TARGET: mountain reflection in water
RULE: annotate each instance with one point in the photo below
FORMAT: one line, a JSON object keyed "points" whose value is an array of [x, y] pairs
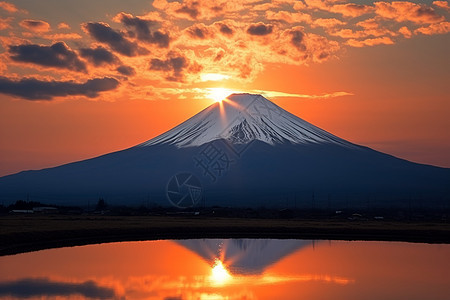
{"points": [[230, 269], [244, 256]]}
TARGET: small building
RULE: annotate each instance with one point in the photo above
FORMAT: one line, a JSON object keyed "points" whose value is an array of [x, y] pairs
{"points": [[21, 211], [45, 210]]}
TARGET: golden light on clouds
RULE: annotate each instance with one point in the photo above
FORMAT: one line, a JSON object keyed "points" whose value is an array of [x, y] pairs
{"points": [[213, 77]]}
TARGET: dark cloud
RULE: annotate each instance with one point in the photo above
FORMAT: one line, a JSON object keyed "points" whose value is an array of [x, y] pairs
{"points": [[298, 39], [35, 25], [58, 55], [192, 11], [260, 29], [199, 31], [430, 13], [34, 89], [143, 32], [105, 34], [43, 287], [99, 56], [323, 56], [126, 70], [174, 65], [174, 298], [225, 29]]}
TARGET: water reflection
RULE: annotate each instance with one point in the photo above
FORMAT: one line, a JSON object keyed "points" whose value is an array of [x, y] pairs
{"points": [[43, 287], [244, 256], [230, 269]]}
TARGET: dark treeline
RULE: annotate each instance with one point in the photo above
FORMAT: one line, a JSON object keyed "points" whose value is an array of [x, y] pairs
{"points": [[352, 214]]}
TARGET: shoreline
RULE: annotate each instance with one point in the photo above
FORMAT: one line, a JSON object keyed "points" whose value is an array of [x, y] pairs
{"points": [[20, 234]]}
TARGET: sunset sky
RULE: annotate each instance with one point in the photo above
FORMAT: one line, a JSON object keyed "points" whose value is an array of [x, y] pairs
{"points": [[83, 78]]}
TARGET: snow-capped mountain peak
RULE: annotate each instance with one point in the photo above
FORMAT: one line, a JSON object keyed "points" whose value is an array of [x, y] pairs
{"points": [[243, 118]]}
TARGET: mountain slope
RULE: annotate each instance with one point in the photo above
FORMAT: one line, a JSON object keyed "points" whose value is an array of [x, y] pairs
{"points": [[242, 118], [246, 152]]}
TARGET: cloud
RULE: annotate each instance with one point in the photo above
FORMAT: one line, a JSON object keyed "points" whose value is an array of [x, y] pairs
{"points": [[347, 33], [407, 11], [126, 70], [174, 66], [442, 4], [206, 93], [292, 46], [237, 38], [289, 17], [350, 9], [439, 28], [368, 24], [298, 39], [197, 10], [9, 7], [405, 32], [34, 89], [275, 94], [190, 9], [225, 29], [35, 25], [43, 288], [63, 25], [58, 55], [62, 36], [5, 23], [370, 42], [260, 29], [99, 56], [347, 9], [200, 31], [371, 28], [104, 34], [143, 32], [327, 23]]}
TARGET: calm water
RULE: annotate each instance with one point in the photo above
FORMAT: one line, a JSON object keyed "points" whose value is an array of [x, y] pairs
{"points": [[230, 269]]}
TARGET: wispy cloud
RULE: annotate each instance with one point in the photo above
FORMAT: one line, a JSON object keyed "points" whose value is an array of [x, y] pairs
{"points": [[275, 94], [9, 7], [207, 92]]}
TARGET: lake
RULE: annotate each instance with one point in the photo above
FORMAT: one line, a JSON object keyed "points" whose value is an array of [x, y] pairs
{"points": [[230, 269]]}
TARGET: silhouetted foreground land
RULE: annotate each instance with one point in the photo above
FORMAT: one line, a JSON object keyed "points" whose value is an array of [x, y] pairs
{"points": [[23, 233]]}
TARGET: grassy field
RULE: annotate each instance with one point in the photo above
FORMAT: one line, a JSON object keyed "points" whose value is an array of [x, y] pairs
{"points": [[23, 233]]}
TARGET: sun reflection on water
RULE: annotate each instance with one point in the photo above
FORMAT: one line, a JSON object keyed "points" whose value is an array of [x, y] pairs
{"points": [[219, 274]]}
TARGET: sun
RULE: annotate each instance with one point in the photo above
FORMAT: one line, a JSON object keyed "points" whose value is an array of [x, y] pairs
{"points": [[218, 94], [219, 274]]}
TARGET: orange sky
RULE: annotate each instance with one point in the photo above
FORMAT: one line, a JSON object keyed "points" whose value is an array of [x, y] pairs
{"points": [[80, 79]]}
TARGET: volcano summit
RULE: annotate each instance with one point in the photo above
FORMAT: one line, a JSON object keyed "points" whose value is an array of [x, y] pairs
{"points": [[244, 151]]}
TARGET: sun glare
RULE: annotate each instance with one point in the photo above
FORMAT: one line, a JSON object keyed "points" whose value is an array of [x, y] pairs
{"points": [[218, 94], [219, 274]]}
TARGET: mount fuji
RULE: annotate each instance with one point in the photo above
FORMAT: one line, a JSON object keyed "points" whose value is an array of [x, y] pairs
{"points": [[242, 152]]}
